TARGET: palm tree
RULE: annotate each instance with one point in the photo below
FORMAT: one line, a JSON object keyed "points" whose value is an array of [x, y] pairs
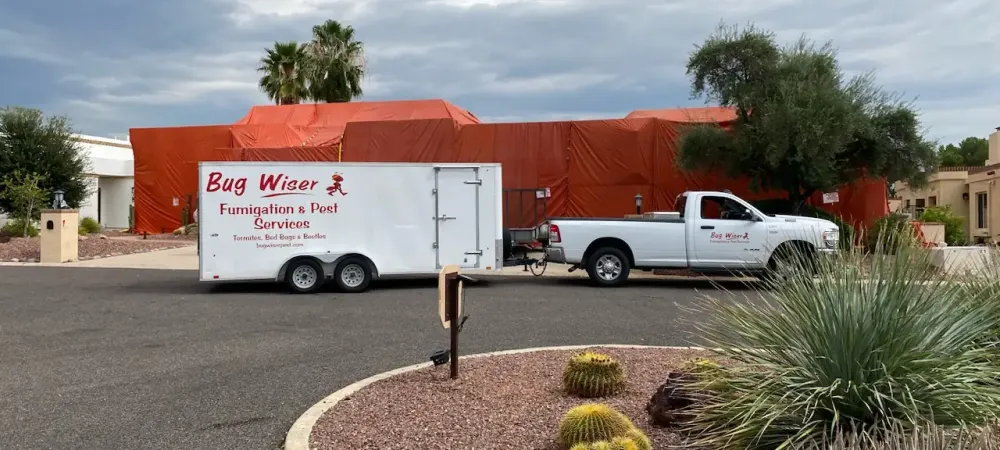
{"points": [[284, 79], [336, 63]]}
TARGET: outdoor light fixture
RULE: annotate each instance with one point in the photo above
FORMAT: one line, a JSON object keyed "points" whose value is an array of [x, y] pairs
{"points": [[57, 199], [638, 203], [441, 357]]}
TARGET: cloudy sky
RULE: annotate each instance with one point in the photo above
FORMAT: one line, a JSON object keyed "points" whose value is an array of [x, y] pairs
{"points": [[116, 64]]}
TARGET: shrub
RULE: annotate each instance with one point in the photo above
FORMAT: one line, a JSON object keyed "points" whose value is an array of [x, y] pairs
{"points": [[954, 225], [853, 349], [81, 231], [91, 225], [591, 375], [890, 233], [19, 228], [592, 422]]}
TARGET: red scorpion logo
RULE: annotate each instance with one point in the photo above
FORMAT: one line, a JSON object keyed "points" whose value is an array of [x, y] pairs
{"points": [[336, 186]]}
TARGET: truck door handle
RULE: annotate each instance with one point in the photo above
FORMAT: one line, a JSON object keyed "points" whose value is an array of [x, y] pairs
{"points": [[707, 227]]}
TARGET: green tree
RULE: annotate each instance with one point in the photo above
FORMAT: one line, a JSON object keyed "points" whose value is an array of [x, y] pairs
{"points": [[30, 143], [336, 63], [972, 151], [801, 125], [25, 196], [284, 73]]}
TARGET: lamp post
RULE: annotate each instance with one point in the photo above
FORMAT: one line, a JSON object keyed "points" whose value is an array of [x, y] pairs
{"points": [[638, 203], [57, 198]]}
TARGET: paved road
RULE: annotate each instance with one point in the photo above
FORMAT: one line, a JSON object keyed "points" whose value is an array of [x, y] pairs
{"points": [[146, 359]]}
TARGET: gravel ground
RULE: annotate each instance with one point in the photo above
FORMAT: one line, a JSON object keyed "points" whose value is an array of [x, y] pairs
{"points": [[28, 249], [504, 402]]}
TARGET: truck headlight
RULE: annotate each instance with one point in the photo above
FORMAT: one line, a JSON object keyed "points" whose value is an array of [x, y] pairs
{"points": [[830, 238]]}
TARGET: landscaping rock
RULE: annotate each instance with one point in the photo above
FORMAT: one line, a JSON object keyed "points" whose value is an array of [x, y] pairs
{"points": [[668, 406]]}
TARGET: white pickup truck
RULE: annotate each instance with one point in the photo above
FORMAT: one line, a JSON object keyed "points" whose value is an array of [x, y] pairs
{"points": [[712, 232]]}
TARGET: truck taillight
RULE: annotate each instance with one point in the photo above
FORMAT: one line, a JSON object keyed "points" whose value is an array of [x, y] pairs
{"points": [[554, 233]]}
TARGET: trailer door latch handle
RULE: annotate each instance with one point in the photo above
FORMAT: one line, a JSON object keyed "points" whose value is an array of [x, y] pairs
{"points": [[478, 253], [478, 182], [445, 217]]}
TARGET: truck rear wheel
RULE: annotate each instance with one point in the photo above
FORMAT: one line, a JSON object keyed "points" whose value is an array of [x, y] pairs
{"points": [[353, 275], [304, 276], [608, 267]]}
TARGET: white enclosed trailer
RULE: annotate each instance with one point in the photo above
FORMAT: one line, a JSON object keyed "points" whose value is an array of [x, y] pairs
{"points": [[301, 223]]}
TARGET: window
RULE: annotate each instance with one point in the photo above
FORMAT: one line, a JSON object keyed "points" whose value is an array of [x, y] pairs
{"points": [[722, 208], [919, 208], [920, 203], [907, 204], [932, 201], [981, 210]]}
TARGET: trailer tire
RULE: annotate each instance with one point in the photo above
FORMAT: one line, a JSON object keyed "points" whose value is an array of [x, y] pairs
{"points": [[353, 275], [304, 276], [508, 244], [608, 267]]}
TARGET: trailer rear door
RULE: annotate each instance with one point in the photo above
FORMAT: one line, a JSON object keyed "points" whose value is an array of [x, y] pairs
{"points": [[457, 216]]}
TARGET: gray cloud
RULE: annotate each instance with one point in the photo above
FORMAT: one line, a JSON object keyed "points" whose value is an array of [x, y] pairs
{"points": [[191, 61]]}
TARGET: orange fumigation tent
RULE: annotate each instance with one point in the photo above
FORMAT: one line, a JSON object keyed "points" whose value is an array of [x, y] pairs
{"points": [[166, 159], [324, 124], [588, 168]]}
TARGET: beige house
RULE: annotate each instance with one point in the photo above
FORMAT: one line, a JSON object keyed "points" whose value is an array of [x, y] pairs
{"points": [[969, 191]]}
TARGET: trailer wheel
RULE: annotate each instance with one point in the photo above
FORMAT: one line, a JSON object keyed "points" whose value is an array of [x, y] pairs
{"points": [[304, 276], [353, 275], [608, 267]]}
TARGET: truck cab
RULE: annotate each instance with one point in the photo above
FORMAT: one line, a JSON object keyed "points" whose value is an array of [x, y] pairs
{"points": [[712, 232]]}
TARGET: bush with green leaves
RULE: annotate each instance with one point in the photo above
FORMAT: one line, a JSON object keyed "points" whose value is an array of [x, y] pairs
{"points": [[890, 233], [19, 228], [854, 348], [954, 225], [90, 225]]}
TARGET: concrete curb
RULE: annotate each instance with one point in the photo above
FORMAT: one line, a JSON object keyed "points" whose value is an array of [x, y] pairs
{"points": [[298, 435]]}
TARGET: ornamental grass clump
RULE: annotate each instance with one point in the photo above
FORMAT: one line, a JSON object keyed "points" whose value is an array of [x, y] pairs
{"points": [[927, 437], [848, 348]]}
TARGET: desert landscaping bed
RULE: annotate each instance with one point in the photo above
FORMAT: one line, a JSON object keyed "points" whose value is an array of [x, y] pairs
{"points": [[502, 402], [28, 249]]}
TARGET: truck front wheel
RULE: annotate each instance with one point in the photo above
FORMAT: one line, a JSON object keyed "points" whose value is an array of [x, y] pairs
{"points": [[353, 275], [608, 267], [304, 276]]}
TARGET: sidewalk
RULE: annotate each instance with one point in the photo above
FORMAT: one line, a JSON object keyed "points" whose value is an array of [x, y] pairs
{"points": [[184, 258]]}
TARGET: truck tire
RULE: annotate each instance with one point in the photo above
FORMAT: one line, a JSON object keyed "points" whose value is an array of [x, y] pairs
{"points": [[508, 244], [353, 275], [608, 267], [304, 276]]}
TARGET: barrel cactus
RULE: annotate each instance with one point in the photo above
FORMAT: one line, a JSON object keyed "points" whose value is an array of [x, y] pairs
{"points": [[618, 443], [640, 439], [592, 375], [593, 422]]}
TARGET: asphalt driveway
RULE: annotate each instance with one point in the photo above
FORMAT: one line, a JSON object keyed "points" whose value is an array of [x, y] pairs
{"points": [[148, 359]]}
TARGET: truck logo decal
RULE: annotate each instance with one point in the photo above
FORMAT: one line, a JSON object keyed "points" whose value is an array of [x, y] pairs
{"points": [[336, 186], [729, 238]]}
